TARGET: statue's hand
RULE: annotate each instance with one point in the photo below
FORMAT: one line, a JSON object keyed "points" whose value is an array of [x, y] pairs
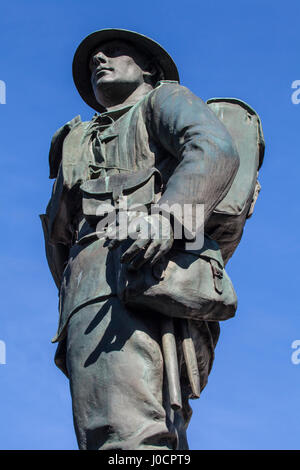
{"points": [[153, 235]]}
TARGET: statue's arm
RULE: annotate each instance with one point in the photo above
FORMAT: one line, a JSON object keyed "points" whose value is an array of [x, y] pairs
{"points": [[57, 235], [56, 253], [57, 246], [207, 158]]}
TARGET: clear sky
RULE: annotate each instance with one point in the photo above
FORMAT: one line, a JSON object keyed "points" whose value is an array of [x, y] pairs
{"points": [[245, 49]]}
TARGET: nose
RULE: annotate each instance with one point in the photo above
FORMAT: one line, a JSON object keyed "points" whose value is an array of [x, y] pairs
{"points": [[99, 58]]}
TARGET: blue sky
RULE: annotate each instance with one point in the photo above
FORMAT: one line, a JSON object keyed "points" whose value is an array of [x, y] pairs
{"points": [[245, 49]]}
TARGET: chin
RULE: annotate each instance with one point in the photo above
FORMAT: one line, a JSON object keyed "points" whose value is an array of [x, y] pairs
{"points": [[98, 83]]}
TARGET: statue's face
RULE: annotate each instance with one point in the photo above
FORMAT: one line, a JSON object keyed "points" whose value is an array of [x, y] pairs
{"points": [[116, 62]]}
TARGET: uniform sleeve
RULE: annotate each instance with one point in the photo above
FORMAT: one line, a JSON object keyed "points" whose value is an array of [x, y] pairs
{"points": [[57, 247], [56, 253], [207, 158]]}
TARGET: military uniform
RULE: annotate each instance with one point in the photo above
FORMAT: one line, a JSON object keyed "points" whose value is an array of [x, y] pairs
{"points": [[113, 355]]}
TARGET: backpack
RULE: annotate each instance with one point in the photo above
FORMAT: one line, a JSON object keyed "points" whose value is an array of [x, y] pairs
{"points": [[227, 222]]}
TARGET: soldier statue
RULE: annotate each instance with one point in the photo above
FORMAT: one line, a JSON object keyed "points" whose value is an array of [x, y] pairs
{"points": [[140, 312]]}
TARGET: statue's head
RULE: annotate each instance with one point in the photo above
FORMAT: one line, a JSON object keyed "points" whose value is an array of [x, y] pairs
{"points": [[114, 63], [121, 67]]}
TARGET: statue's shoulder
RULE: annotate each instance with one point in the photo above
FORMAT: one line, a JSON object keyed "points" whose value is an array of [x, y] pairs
{"points": [[164, 87], [74, 127], [172, 95]]}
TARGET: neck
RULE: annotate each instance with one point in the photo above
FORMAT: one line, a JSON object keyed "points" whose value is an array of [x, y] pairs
{"points": [[112, 100]]}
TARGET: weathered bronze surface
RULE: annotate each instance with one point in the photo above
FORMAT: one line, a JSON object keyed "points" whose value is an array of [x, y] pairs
{"points": [[139, 315]]}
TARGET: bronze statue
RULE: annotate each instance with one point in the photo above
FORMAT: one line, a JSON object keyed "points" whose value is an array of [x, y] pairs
{"points": [[140, 312]]}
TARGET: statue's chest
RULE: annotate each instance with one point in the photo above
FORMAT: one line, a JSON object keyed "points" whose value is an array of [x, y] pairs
{"points": [[123, 146]]}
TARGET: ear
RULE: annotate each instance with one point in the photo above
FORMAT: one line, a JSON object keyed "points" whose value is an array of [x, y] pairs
{"points": [[150, 72], [152, 68], [148, 67]]}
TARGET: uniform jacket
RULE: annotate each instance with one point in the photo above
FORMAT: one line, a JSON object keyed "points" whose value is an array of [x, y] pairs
{"points": [[170, 129]]}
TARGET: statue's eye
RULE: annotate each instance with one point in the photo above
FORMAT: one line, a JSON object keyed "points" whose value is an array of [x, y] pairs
{"points": [[113, 51], [92, 63]]}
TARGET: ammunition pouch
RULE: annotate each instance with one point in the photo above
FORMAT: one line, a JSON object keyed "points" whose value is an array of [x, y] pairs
{"points": [[185, 284]]}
